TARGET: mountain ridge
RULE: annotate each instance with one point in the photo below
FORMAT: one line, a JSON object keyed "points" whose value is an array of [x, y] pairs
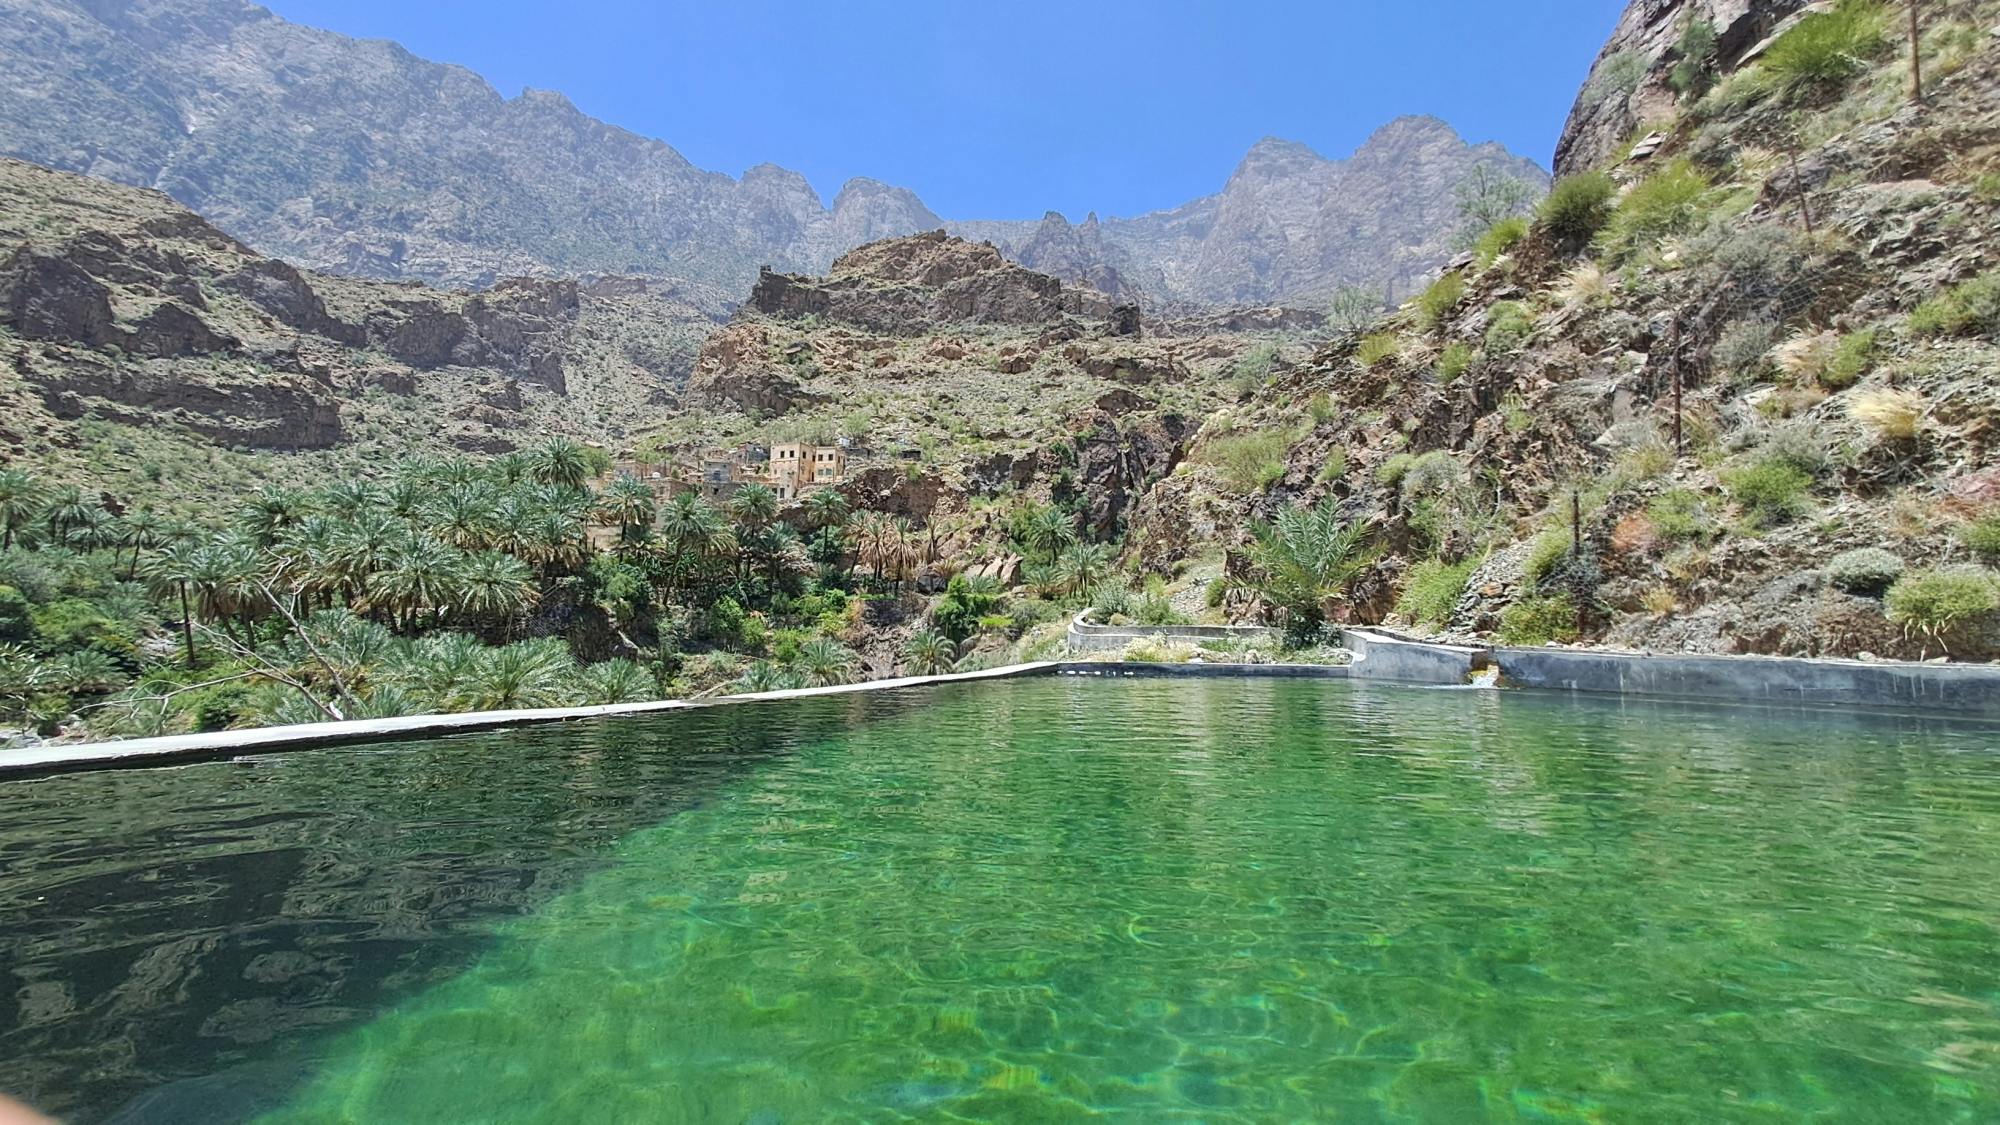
{"points": [[360, 157]]}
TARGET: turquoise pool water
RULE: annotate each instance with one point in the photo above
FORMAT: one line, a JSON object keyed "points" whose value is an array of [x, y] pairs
{"points": [[1030, 901]]}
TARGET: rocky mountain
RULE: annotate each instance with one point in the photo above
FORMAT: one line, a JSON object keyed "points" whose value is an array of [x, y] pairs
{"points": [[1290, 224], [357, 157], [125, 317]]}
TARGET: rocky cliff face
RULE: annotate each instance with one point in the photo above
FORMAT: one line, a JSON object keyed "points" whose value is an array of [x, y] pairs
{"points": [[1628, 82], [120, 306], [359, 158]]}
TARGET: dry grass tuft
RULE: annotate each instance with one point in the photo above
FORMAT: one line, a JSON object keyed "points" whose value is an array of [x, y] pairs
{"points": [[1894, 415]]}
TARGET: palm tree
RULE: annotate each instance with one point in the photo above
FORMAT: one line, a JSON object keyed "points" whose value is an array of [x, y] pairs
{"points": [[361, 548], [1306, 558], [142, 531], [523, 674], [348, 498], [764, 676], [929, 653], [305, 560], [272, 510], [437, 669], [559, 461], [462, 516], [1079, 568], [628, 503], [556, 541], [20, 503], [754, 507], [509, 468], [422, 575], [65, 508], [824, 662], [615, 681], [495, 584], [694, 534], [1050, 531], [825, 508], [173, 569], [223, 577]]}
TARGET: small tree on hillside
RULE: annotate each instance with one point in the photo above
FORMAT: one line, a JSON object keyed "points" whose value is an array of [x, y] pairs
{"points": [[1486, 196]]}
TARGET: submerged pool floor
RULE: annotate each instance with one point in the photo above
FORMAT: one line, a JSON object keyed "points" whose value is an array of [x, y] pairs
{"points": [[1032, 901]]}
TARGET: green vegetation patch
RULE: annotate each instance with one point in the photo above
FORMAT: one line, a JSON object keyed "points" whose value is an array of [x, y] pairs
{"points": [[1577, 208], [1538, 621], [1819, 55], [1433, 590], [1970, 309]]}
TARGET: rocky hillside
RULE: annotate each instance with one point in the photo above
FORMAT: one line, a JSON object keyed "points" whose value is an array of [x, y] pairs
{"points": [[136, 337], [960, 377], [1289, 226], [1735, 389], [359, 158]]}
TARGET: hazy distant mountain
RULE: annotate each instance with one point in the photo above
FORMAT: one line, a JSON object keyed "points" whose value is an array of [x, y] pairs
{"points": [[358, 157], [1290, 223]]}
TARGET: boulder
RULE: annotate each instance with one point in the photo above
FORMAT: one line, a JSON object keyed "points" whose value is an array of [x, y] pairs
{"points": [[43, 297]]}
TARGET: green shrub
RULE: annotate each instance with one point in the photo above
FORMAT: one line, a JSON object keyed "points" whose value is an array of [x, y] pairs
{"points": [[1216, 592], [1851, 360], [1320, 408], [1507, 327], [1823, 50], [1770, 488], [1866, 570], [1499, 239], [1681, 515], [1250, 462], [1436, 302], [1335, 467], [1981, 536], [1743, 349], [75, 623], [1667, 202], [1537, 621], [16, 616], [1940, 601], [1695, 71], [1577, 208], [1546, 553], [1255, 365], [1616, 77], [1432, 590], [1971, 309], [1454, 360], [1390, 473], [1378, 348], [1987, 189]]}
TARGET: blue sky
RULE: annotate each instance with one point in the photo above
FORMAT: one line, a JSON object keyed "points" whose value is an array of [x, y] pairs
{"points": [[1007, 109]]}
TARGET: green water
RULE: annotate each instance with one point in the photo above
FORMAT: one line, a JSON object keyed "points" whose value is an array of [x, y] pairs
{"points": [[1165, 900]]}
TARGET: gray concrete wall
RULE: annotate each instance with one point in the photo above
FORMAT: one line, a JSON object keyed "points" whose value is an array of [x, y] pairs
{"points": [[1967, 688], [1380, 656], [1203, 671], [1085, 637]]}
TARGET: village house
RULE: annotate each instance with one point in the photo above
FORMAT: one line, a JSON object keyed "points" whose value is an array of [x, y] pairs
{"points": [[790, 469]]}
